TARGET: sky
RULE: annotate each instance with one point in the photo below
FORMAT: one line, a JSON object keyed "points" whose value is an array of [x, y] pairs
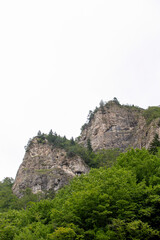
{"points": [[59, 59]]}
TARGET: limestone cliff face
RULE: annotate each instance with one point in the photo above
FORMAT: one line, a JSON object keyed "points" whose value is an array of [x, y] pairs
{"points": [[116, 126], [45, 168]]}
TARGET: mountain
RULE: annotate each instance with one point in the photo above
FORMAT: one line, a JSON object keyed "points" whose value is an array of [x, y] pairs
{"points": [[51, 161], [120, 126], [46, 168]]}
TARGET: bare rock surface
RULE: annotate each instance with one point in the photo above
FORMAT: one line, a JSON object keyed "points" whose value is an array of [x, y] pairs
{"points": [[117, 126], [45, 168]]}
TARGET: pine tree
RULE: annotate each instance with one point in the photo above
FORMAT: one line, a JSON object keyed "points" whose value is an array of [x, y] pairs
{"points": [[39, 133], [51, 132], [116, 100], [89, 146], [101, 104], [72, 141], [153, 148]]}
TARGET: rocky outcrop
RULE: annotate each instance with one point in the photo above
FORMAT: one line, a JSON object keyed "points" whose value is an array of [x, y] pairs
{"points": [[117, 126], [45, 168]]}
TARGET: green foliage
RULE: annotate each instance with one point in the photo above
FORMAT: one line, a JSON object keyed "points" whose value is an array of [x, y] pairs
{"points": [[90, 116], [142, 163], [151, 113], [155, 144], [104, 105], [132, 107], [70, 146], [41, 138], [72, 141], [101, 105], [10, 201], [112, 102], [105, 157], [93, 159], [51, 132], [89, 119], [7, 199], [84, 126], [116, 100], [28, 144], [28, 197], [113, 203], [39, 133], [89, 146], [121, 202], [62, 234], [136, 230], [33, 231]]}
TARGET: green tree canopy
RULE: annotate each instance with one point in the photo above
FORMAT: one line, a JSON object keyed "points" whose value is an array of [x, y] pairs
{"points": [[120, 202]]}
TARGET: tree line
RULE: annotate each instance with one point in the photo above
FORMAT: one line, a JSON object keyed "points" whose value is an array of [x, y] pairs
{"points": [[117, 202]]}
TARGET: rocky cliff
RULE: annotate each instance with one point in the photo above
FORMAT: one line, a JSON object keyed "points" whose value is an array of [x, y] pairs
{"points": [[45, 168], [116, 126]]}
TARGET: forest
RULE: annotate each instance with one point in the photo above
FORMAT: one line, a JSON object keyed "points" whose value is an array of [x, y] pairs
{"points": [[121, 201]]}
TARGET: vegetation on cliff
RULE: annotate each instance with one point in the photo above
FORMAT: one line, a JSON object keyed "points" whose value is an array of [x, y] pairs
{"points": [[120, 202], [105, 157], [118, 199], [106, 105], [10, 201], [155, 144], [149, 114]]}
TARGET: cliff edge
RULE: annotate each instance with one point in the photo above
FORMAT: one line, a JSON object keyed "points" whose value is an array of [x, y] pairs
{"points": [[46, 167], [119, 126], [51, 161]]}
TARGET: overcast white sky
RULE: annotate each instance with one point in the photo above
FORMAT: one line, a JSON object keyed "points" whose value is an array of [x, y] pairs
{"points": [[58, 59]]}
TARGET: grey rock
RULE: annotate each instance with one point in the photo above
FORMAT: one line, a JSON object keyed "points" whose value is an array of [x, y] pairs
{"points": [[119, 127], [45, 168]]}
